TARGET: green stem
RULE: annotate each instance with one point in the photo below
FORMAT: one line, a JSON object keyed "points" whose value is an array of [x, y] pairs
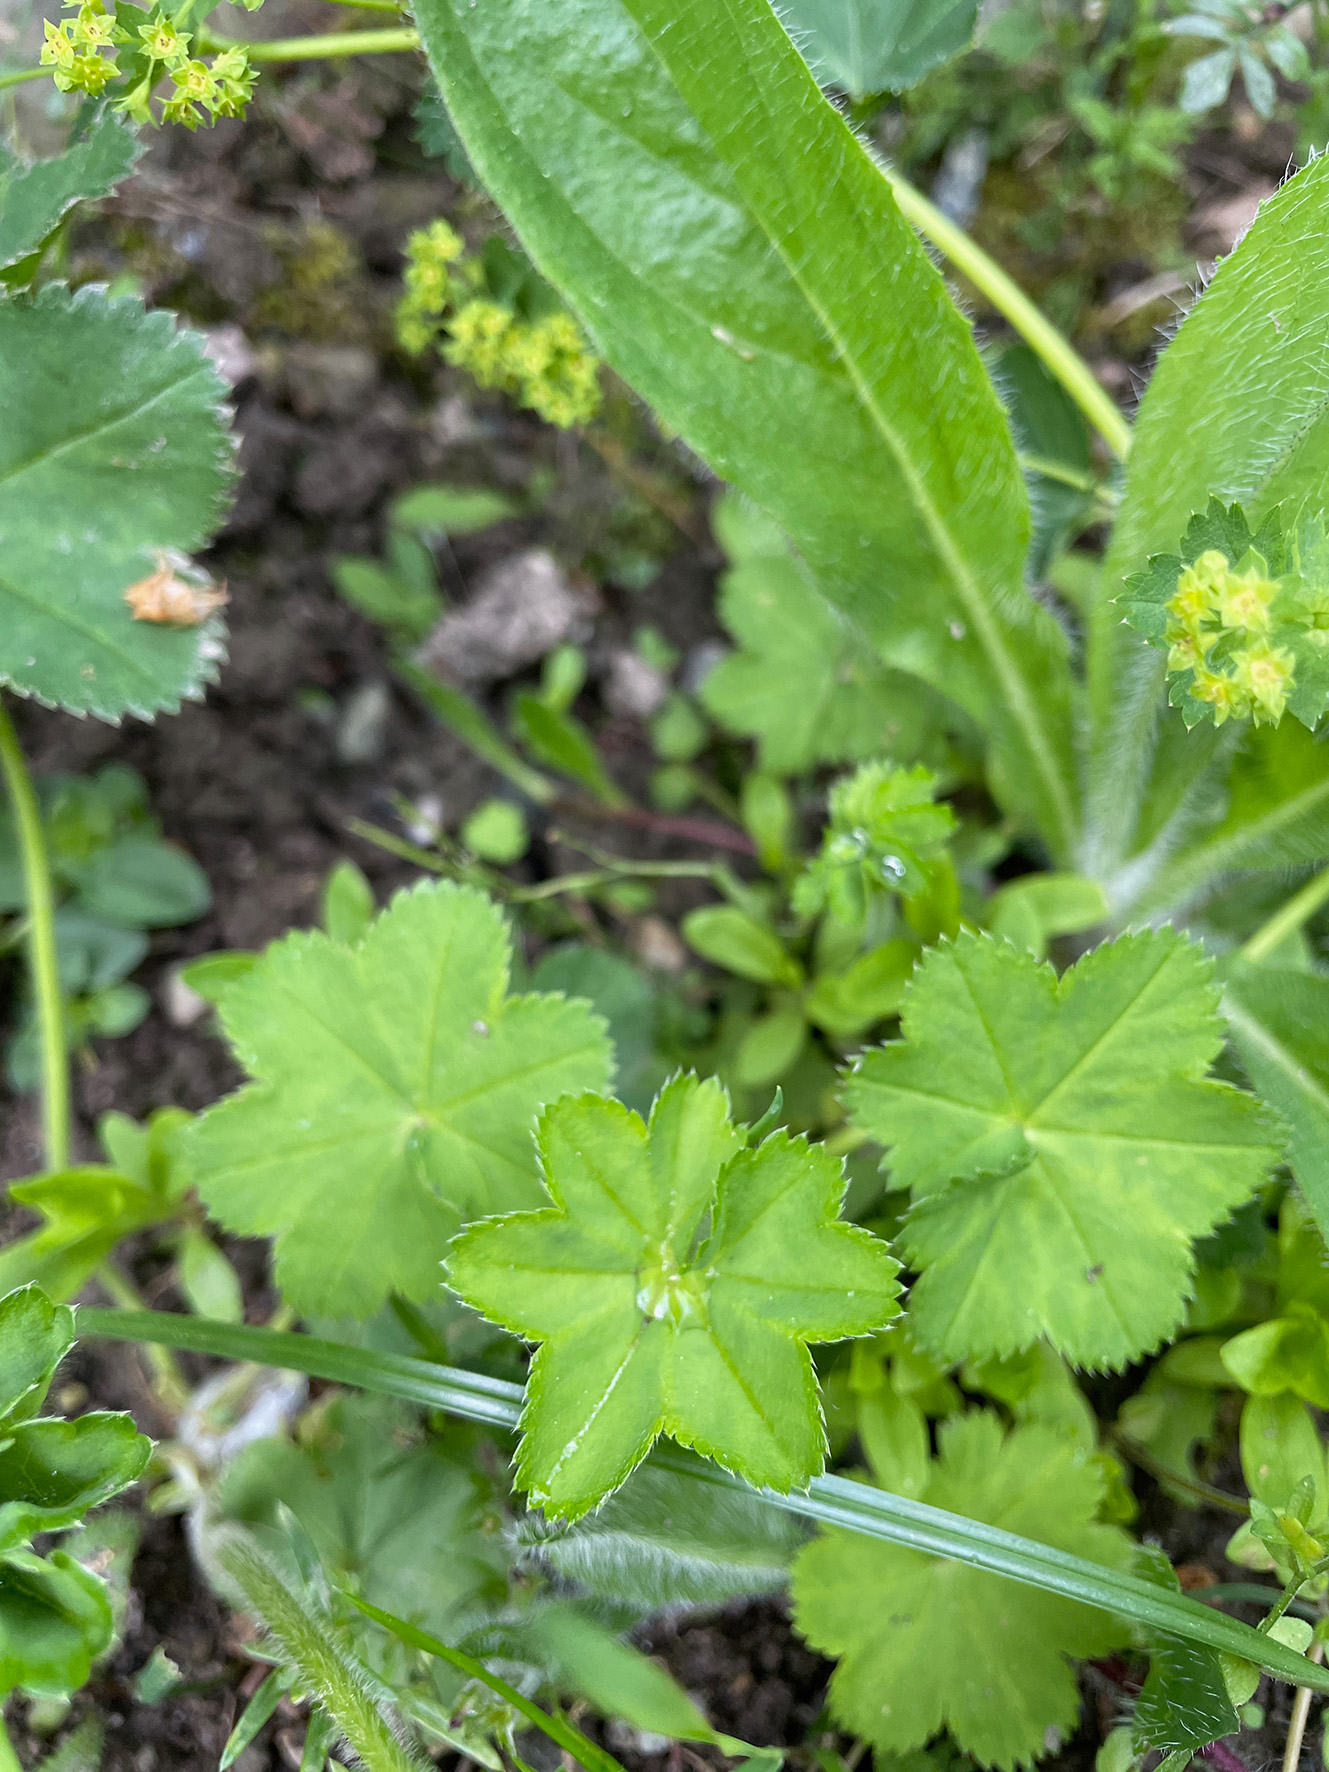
{"points": [[1009, 299], [17, 78], [1287, 919], [303, 49], [42, 955]]}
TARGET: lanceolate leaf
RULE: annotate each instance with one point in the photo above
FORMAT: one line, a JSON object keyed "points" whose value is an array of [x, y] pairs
{"points": [[1033, 1117], [1237, 408], [1278, 1020], [34, 198], [737, 257], [113, 448], [835, 1501], [398, 1089], [642, 1332]]}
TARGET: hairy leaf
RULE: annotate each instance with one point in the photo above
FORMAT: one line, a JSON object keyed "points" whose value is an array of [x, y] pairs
{"points": [[1278, 1021], [801, 682], [870, 46], [736, 255], [34, 198], [1238, 408], [642, 1332], [927, 1644], [1032, 1117], [667, 1538], [398, 1085], [113, 449]]}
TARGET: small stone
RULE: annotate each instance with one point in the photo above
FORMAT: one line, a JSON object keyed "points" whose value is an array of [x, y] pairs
{"points": [[520, 610], [656, 945], [633, 687], [361, 735], [183, 1007]]}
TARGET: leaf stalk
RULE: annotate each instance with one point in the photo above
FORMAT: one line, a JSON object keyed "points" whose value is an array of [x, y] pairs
{"points": [[987, 276], [43, 956], [1288, 918], [331, 44]]}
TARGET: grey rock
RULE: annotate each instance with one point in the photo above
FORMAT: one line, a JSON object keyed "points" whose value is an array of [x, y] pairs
{"points": [[520, 609]]}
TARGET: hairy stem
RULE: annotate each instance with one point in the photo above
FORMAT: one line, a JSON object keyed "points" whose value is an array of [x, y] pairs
{"points": [[317, 1660], [1009, 299], [42, 956], [1287, 918], [1301, 1710]]}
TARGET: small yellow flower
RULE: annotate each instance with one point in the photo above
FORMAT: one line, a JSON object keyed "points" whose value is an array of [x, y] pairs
{"points": [[1227, 697], [1187, 648], [1264, 674], [1197, 588], [1244, 601], [94, 28], [164, 43], [58, 49]]}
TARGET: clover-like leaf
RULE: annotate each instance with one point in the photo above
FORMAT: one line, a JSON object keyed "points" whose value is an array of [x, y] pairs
{"points": [[927, 1644], [398, 1089], [34, 198], [648, 1324], [113, 452], [1243, 617], [1062, 1143]]}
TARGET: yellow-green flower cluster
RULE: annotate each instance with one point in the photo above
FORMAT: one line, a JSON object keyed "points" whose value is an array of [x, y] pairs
{"points": [[82, 53], [73, 49], [428, 284], [1219, 624], [543, 363]]}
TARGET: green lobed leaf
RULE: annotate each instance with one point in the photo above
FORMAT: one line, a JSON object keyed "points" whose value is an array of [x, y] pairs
{"points": [[884, 827], [801, 682], [871, 46], [55, 1619], [644, 1333], [388, 1510], [1032, 1117], [736, 255], [35, 1335], [926, 1644], [397, 1086], [838, 1501], [1236, 409], [113, 449], [52, 1472], [35, 197]]}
